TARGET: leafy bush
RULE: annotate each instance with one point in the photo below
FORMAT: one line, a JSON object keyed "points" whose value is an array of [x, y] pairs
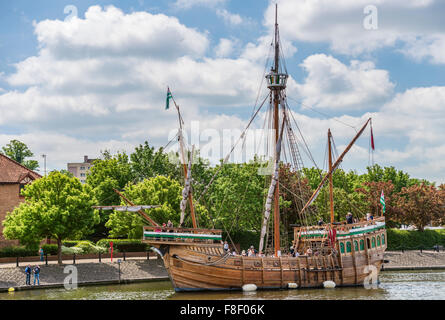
{"points": [[405, 239], [50, 249], [16, 251], [72, 250], [72, 243], [127, 245], [89, 247], [69, 243]]}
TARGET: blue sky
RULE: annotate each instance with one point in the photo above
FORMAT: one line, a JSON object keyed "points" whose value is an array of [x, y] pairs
{"points": [[75, 86]]}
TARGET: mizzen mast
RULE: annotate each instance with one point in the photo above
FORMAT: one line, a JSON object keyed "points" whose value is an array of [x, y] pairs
{"points": [[331, 184]]}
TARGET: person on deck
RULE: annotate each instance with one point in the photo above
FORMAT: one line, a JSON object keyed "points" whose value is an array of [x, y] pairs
{"points": [[309, 251], [170, 225], [254, 251], [320, 222], [349, 219], [158, 229], [226, 246]]}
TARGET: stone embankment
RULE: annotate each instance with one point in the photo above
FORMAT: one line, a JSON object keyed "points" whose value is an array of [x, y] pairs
{"points": [[414, 260], [133, 270], [53, 275]]}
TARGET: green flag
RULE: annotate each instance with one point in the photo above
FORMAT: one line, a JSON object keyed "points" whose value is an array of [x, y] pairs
{"points": [[169, 96], [382, 201]]}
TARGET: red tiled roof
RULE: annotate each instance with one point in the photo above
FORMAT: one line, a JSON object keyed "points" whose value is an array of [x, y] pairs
{"points": [[13, 172]]}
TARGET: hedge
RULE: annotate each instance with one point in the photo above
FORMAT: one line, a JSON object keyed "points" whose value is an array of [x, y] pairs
{"points": [[127, 245], [15, 251], [50, 249], [406, 239]]}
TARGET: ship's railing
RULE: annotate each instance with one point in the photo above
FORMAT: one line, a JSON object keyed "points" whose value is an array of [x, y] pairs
{"points": [[341, 226], [181, 234]]}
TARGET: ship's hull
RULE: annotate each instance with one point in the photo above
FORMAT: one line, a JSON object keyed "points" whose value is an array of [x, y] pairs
{"points": [[199, 267]]}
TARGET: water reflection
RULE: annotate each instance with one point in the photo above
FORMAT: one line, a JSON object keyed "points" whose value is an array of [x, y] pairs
{"points": [[428, 285]]}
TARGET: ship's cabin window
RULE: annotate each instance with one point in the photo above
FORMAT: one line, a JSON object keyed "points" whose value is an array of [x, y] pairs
{"points": [[378, 241], [355, 246], [362, 245], [373, 242], [348, 246], [383, 239], [342, 247]]}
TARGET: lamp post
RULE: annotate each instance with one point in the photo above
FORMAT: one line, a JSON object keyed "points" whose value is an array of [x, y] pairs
{"points": [[119, 263], [44, 163]]}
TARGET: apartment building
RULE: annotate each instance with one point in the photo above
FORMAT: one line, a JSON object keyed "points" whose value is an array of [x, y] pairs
{"points": [[80, 169]]}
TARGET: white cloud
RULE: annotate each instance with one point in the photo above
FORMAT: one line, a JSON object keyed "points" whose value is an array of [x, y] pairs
{"points": [[226, 47], [263, 48], [230, 18], [340, 23], [332, 85], [97, 73], [118, 34], [430, 47], [87, 90], [187, 4]]}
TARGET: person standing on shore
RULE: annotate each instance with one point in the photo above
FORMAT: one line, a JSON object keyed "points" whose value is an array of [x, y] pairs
{"points": [[41, 253], [28, 275], [37, 275]]}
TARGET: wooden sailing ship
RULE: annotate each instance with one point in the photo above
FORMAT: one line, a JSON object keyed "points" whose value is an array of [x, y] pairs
{"points": [[342, 252]]}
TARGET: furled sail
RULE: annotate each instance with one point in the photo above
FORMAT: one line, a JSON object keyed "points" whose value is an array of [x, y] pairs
{"points": [[186, 190], [126, 208], [270, 193]]}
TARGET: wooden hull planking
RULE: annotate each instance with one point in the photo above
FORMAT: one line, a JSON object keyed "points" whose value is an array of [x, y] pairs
{"points": [[203, 267]]}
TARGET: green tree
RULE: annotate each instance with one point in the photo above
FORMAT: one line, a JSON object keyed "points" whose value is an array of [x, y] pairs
{"points": [[148, 163], [235, 199], [56, 206], [19, 151], [107, 174], [159, 190], [399, 178]]}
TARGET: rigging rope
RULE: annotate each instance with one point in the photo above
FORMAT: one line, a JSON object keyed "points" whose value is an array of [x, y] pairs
{"points": [[233, 148]]}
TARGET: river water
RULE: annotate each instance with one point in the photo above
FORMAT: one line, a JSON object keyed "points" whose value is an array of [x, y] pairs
{"points": [[406, 285]]}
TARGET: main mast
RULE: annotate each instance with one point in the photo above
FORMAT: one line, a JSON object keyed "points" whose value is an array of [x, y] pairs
{"points": [[276, 102], [276, 82]]}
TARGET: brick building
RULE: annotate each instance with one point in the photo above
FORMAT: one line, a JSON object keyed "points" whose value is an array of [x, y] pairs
{"points": [[13, 177]]}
